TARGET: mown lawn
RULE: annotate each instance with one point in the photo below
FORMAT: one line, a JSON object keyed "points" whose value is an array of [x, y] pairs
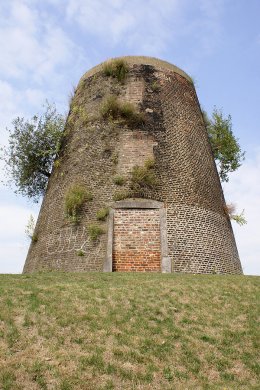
{"points": [[128, 331]]}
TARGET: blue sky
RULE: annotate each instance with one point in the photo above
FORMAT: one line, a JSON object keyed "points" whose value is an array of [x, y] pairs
{"points": [[47, 45]]}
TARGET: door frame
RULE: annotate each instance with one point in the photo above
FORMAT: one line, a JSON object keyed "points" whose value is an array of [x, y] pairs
{"points": [[137, 203]]}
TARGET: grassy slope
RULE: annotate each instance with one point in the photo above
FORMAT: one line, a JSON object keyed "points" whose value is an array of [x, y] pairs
{"points": [[128, 331]]}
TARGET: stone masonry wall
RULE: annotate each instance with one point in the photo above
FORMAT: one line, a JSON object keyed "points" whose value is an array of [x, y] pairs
{"points": [[95, 150]]}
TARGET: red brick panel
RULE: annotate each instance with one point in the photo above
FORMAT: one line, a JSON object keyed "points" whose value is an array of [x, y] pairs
{"points": [[136, 244]]}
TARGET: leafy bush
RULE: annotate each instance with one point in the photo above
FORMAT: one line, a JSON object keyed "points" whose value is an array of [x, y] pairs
{"points": [[102, 214], [117, 69], [113, 108], [95, 231], [76, 196], [119, 180], [230, 210]]}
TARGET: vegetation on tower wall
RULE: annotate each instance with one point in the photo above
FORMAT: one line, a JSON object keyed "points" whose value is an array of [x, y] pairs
{"points": [[75, 197], [117, 68]]}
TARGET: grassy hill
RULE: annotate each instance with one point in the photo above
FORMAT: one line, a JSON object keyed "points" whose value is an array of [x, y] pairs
{"points": [[128, 331]]}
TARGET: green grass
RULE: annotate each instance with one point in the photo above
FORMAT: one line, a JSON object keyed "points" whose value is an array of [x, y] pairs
{"points": [[75, 197], [114, 109], [116, 68], [102, 213], [95, 231], [119, 180], [128, 331], [143, 176]]}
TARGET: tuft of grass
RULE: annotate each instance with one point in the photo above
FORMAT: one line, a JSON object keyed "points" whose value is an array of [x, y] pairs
{"points": [[34, 237], [80, 253], [120, 195], [131, 115], [143, 176], [95, 231], [155, 86], [114, 158], [114, 109], [76, 196], [56, 163], [116, 68], [38, 374], [119, 180], [230, 210], [79, 113], [102, 213], [7, 379], [110, 107]]}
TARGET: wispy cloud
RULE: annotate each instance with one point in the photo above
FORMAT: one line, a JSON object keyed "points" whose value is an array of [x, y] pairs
{"points": [[31, 42], [135, 24]]}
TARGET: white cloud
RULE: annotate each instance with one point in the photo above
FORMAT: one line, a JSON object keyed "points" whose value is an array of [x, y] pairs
{"points": [[150, 26], [31, 42], [244, 191], [131, 24], [13, 241], [37, 60]]}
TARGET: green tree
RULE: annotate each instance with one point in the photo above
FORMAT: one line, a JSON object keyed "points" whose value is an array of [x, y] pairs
{"points": [[33, 146], [225, 146]]}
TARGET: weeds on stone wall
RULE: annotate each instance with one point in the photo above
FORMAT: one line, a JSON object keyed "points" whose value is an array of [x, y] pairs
{"points": [[78, 114], [80, 253], [114, 158], [30, 229], [95, 231], [72, 95], [155, 86], [117, 69], [143, 176], [76, 196], [102, 213], [112, 108], [230, 211], [120, 195], [119, 180], [56, 163]]}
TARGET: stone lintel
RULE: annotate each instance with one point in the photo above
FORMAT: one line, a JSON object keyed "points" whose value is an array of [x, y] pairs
{"points": [[137, 203]]}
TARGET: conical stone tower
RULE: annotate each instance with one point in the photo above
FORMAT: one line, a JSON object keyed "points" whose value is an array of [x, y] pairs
{"points": [[135, 187]]}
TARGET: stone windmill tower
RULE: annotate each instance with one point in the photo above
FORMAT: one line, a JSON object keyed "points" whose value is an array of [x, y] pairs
{"points": [[135, 187]]}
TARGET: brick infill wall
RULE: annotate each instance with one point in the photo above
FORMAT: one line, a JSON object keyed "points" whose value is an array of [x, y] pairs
{"points": [[136, 242]]}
